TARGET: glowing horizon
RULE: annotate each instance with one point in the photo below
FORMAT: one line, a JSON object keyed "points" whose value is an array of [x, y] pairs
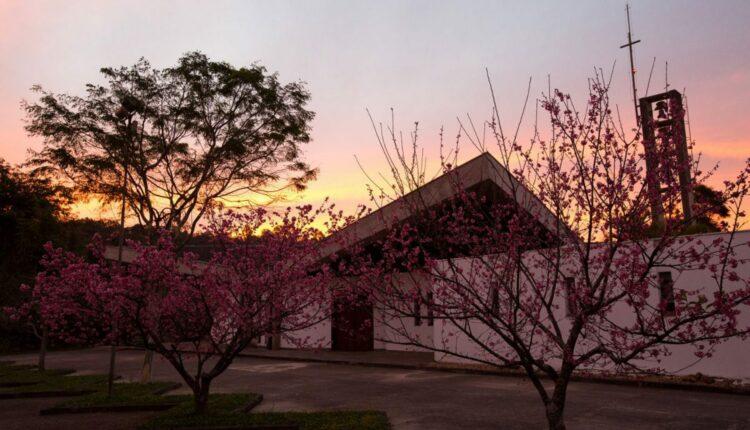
{"points": [[426, 60]]}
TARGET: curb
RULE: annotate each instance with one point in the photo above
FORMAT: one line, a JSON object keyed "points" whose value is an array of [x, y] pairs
{"points": [[250, 406], [167, 389]]}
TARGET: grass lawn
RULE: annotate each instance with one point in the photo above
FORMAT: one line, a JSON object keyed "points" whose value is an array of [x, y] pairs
{"points": [[26, 375], [7, 367], [15, 379], [127, 394], [225, 410], [62, 383]]}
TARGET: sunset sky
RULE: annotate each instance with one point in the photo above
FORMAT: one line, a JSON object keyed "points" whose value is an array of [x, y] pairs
{"points": [[426, 60]]}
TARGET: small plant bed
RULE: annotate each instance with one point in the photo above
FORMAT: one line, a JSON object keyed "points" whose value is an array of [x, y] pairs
{"points": [[23, 382], [127, 397], [230, 411]]}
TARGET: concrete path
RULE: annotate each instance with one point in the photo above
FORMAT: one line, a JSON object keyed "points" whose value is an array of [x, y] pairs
{"points": [[422, 399]]}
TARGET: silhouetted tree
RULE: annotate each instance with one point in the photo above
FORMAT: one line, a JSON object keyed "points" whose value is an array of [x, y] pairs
{"points": [[29, 211], [33, 211], [711, 207], [178, 140]]}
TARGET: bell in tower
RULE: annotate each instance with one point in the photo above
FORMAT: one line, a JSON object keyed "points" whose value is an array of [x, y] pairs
{"points": [[667, 128]]}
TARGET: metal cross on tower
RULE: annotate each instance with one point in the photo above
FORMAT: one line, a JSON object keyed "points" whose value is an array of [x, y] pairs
{"points": [[629, 45]]}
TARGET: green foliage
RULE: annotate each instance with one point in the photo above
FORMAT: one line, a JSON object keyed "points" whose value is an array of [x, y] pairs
{"points": [[226, 410], [23, 379]]}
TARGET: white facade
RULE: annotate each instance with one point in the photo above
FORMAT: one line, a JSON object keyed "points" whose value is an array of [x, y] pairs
{"points": [[730, 358]]}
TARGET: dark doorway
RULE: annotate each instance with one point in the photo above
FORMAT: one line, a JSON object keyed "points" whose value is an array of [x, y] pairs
{"points": [[351, 325]]}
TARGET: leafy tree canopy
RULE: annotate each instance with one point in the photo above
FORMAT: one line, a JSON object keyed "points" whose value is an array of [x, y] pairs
{"points": [[712, 208], [33, 211], [181, 139], [29, 211]]}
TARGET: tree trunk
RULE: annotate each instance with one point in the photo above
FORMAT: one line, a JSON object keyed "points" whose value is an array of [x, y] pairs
{"points": [[148, 359], [200, 394], [111, 373], [555, 406], [43, 349], [554, 416], [276, 337]]}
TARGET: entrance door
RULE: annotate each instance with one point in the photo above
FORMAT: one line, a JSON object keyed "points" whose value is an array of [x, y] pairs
{"points": [[351, 326]]}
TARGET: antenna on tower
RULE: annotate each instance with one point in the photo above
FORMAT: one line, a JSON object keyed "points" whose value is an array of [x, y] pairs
{"points": [[629, 45], [687, 121]]}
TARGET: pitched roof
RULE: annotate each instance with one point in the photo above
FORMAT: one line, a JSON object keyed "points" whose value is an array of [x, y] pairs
{"points": [[476, 171], [480, 169]]}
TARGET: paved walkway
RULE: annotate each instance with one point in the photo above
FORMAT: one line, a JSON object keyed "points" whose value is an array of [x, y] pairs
{"points": [[424, 361], [415, 399]]}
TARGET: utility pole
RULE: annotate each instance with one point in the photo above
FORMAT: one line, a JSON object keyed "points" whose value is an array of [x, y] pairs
{"points": [[629, 45]]}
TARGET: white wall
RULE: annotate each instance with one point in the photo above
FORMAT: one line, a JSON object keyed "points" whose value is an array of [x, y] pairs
{"points": [[388, 328], [389, 332], [316, 336], [730, 358], [312, 336], [392, 331]]}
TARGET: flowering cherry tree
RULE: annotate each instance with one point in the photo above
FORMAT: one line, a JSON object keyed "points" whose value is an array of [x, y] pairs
{"points": [[65, 298], [586, 291], [265, 278]]}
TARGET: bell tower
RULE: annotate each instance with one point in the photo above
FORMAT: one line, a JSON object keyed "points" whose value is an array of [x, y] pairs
{"points": [[666, 150]]}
